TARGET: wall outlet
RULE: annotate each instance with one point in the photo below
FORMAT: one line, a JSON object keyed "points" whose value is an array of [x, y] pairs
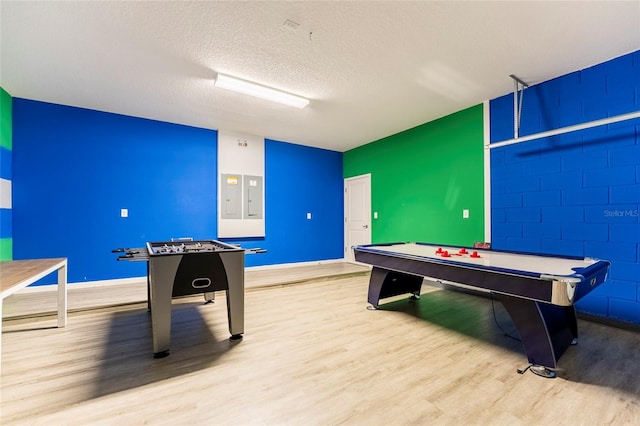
{"points": [[375, 215], [308, 215], [124, 212], [465, 214]]}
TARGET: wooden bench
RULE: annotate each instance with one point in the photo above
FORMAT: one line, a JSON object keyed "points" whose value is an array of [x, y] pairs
{"points": [[17, 274]]}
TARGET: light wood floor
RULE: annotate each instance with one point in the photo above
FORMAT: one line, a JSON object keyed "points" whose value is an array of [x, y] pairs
{"points": [[313, 354], [42, 301]]}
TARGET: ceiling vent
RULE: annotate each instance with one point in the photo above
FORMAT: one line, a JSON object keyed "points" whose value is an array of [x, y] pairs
{"points": [[291, 25]]}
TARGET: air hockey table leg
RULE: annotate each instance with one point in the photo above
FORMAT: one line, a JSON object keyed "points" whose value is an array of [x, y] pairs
{"points": [[384, 283], [546, 331]]}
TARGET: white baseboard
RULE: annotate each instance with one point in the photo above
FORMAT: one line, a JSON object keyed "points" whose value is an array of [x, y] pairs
{"points": [[143, 280], [86, 284], [292, 265]]}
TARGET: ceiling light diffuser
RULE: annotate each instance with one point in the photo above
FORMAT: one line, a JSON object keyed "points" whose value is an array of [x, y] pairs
{"points": [[259, 91]]}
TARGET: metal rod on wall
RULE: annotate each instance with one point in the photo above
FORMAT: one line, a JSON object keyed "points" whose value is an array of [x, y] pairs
{"points": [[568, 129]]}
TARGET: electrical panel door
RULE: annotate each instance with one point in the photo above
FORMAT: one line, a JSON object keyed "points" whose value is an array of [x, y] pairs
{"points": [[231, 197], [253, 203]]}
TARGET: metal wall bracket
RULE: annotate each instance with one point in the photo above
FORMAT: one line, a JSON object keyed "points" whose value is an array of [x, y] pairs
{"points": [[517, 103]]}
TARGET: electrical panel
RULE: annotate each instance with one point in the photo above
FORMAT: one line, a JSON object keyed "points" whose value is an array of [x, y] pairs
{"points": [[241, 185], [253, 197], [231, 196]]}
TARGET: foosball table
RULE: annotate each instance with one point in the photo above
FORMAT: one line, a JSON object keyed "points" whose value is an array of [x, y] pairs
{"points": [[186, 267]]}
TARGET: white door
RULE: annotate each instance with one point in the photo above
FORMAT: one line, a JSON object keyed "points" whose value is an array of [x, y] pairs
{"points": [[357, 213]]}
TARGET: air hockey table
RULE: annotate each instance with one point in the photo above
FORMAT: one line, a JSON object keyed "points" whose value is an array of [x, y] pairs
{"points": [[537, 291]]}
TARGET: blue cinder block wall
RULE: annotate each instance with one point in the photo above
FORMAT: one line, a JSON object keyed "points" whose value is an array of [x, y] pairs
{"points": [[577, 193], [74, 169]]}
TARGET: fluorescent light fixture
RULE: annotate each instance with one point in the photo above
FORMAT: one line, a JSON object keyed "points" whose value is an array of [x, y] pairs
{"points": [[253, 89]]}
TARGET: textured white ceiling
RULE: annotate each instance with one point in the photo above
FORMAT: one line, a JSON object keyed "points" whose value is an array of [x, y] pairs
{"points": [[371, 69]]}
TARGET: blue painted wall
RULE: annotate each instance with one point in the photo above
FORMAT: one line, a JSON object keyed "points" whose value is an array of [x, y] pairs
{"points": [[576, 193], [74, 169], [300, 180], [5, 213]]}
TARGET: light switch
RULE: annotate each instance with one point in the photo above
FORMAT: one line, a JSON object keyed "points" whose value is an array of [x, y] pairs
{"points": [[465, 214], [308, 215], [375, 215]]}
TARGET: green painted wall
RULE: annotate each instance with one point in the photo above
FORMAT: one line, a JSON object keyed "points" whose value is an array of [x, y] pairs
{"points": [[423, 178], [6, 126], [6, 249]]}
